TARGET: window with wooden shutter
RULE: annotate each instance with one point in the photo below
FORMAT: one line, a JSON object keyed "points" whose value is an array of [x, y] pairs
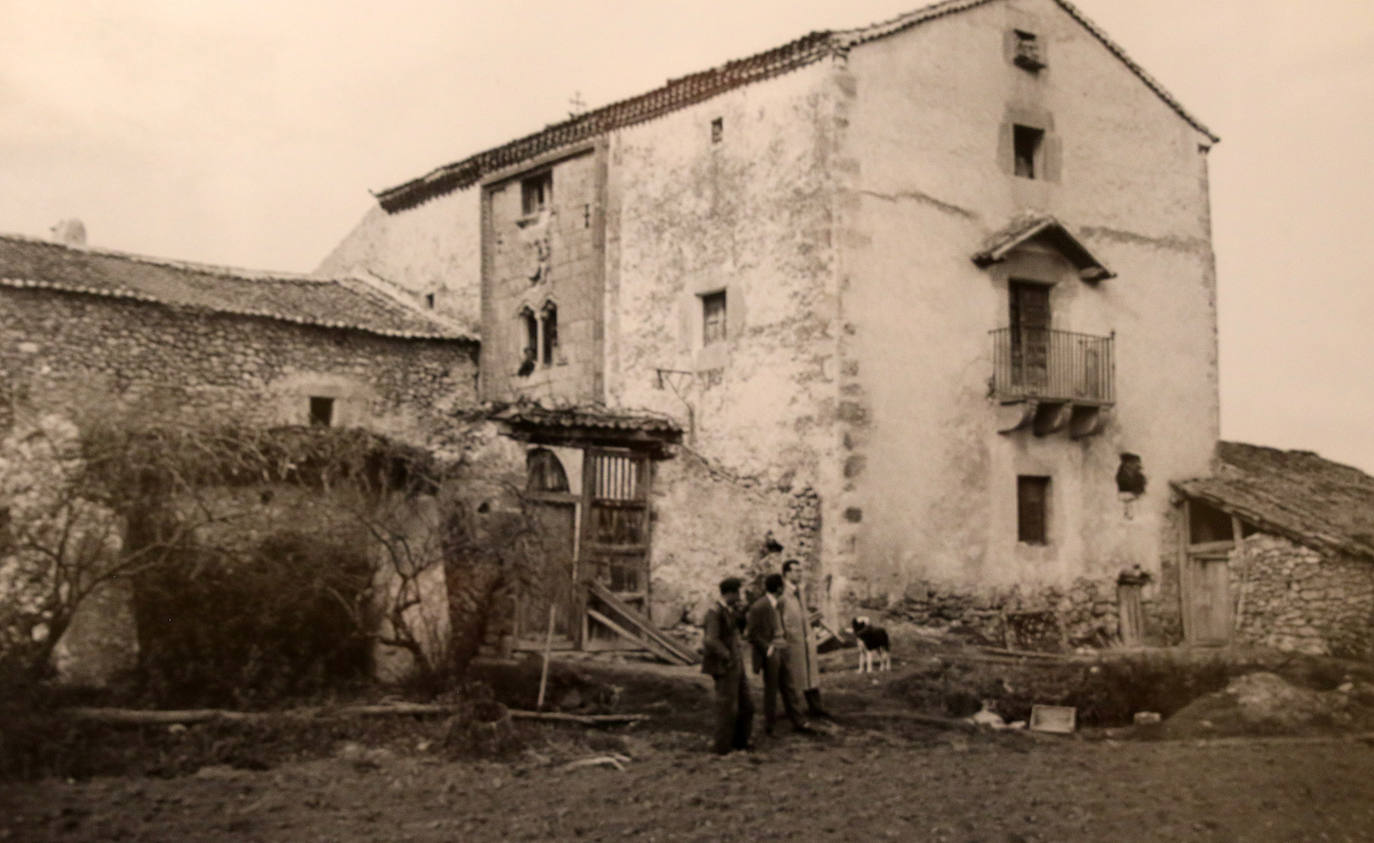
{"points": [[1032, 509]]}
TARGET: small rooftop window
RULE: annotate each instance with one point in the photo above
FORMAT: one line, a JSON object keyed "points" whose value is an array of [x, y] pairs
{"points": [[1028, 54], [536, 194]]}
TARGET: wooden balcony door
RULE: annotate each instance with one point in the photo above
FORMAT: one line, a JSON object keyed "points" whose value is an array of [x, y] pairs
{"points": [[1030, 334]]}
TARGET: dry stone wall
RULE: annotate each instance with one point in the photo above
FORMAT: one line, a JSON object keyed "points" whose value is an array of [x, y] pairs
{"points": [[60, 348], [1293, 598]]}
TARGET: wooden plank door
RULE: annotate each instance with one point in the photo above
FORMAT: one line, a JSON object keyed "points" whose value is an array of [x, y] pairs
{"points": [[1030, 333], [1209, 600], [615, 528]]}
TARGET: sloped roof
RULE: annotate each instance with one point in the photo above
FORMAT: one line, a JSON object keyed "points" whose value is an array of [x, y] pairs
{"points": [[697, 87], [589, 424], [306, 300], [1313, 501], [1027, 227]]}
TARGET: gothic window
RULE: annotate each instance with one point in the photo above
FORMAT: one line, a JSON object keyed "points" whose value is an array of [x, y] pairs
{"points": [[550, 318]]}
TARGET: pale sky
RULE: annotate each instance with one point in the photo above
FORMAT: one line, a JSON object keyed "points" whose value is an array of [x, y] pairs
{"points": [[249, 133]]}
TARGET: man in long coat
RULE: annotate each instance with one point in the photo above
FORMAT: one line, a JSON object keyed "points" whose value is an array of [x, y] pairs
{"points": [[723, 661], [801, 651], [764, 631]]}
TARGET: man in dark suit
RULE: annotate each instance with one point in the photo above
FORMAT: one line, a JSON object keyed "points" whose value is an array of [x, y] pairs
{"points": [[723, 660], [765, 633]]}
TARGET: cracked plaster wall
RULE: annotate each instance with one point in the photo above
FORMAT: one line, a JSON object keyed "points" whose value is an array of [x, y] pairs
{"points": [[750, 215], [932, 485]]}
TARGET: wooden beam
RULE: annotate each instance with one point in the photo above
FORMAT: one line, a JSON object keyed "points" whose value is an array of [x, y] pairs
{"points": [[641, 624], [653, 646]]}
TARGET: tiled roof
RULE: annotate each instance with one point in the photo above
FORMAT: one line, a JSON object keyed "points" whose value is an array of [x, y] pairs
{"points": [[331, 303], [1296, 494], [688, 90], [1029, 226], [587, 416]]}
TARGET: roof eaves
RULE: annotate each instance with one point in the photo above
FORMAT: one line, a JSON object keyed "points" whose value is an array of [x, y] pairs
{"points": [[693, 88], [671, 96], [133, 295], [1216, 494], [1120, 52]]}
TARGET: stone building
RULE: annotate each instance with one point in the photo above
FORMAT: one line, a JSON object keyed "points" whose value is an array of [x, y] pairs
{"points": [[86, 330], [1278, 552], [914, 297], [88, 324]]}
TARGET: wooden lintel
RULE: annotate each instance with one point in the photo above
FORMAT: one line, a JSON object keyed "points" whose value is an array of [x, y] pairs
{"points": [[1210, 547]]}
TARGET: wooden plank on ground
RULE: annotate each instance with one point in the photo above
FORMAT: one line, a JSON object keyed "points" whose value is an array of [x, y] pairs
{"points": [[653, 646], [639, 623]]}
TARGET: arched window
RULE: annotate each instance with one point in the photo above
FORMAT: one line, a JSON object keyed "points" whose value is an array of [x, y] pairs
{"points": [[530, 353], [544, 472], [550, 317]]}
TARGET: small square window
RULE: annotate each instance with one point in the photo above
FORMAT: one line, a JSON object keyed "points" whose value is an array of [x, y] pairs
{"points": [[717, 129], [1026, 143], [713, 326], [321, 411], [1028, 54], [1032, 509], [536, 194], [429, 300]]}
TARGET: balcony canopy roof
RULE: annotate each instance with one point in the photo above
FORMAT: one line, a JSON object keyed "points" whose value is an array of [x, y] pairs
{"points": [[1050, 231]]}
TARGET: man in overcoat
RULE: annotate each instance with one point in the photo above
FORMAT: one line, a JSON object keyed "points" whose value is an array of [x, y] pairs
{"points": [[801, 653], [765, 632], [723, 661]]}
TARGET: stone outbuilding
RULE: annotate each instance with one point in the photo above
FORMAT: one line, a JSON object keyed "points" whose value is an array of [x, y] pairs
{"points": [[919, 295], [81, 324], [1279, 552], [92, 331]]}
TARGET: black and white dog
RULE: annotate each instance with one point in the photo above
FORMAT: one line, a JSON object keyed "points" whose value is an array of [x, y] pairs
{"points": [[873, 641]]}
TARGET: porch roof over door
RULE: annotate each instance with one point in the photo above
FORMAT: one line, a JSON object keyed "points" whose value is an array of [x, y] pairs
{"points": [[590, 425]]}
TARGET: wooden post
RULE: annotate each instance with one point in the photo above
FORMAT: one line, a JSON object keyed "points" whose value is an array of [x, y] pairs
{"points": [[548, 648]]}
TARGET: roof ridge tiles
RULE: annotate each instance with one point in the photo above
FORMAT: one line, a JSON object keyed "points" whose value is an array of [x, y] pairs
{"points": [[682, 91], [223, 270]]}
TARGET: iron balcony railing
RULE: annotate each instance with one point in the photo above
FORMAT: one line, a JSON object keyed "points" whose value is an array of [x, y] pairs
{"points": [[1052, 366]]}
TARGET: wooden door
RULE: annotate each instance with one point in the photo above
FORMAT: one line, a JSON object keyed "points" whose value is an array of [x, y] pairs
{"points": [[1209, 599], [555, 583], [615, 526], [1030, 333]]}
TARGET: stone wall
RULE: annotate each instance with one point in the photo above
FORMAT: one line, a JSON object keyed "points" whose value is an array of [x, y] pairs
{"points": [[1293, 598], [60, 349], [710, 524], [1083, 613]]}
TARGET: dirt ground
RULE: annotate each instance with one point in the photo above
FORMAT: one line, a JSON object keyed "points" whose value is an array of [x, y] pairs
{"points": [[852, 785], [882, 771]]}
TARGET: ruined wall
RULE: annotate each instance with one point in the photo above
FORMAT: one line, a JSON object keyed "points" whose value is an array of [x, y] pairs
{"points": [[433, 249], [543, 264], [1293, 598], [59, 348], [710, 524], [923, 183], [744, 209]]}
